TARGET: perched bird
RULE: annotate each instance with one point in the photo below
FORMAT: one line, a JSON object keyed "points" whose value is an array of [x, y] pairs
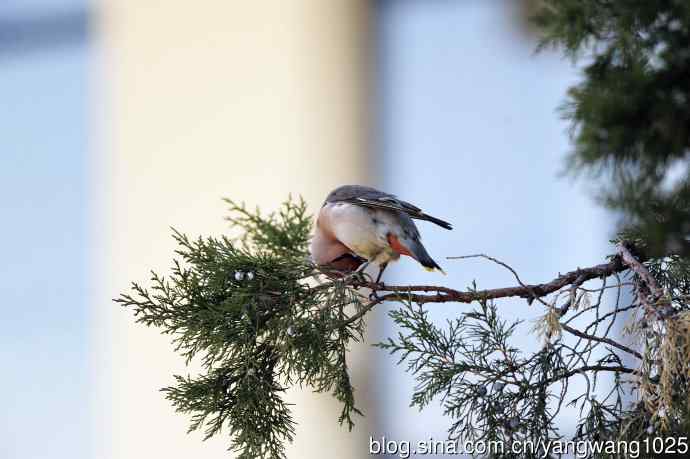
{"points": [[359, 224]]}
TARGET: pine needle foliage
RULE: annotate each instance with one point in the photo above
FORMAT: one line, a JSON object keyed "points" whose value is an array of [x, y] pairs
{"points": [[630, 113]]}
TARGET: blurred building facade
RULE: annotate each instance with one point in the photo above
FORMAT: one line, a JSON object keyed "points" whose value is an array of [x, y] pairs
{"points": [[45, 62], [247, 100]]}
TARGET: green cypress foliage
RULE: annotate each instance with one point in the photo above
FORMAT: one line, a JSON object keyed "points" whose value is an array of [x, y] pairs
{"points": [[244, 309]]}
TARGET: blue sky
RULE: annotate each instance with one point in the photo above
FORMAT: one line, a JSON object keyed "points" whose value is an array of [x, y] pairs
{"points": [[468, 129], [43, 277]]}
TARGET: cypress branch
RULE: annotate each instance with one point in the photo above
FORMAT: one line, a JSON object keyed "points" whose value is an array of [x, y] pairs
{"points": [[259, 318]]}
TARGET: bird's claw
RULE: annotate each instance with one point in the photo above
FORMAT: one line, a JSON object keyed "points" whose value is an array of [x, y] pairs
{"points": [[356, 278], [359, 277]]}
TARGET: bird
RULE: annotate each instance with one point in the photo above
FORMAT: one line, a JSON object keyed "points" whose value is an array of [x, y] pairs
{"points": [[358, 225]]}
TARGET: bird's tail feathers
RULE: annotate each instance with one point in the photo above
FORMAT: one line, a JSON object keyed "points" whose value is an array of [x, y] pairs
{"points": [[437, 221], [420, 254]]}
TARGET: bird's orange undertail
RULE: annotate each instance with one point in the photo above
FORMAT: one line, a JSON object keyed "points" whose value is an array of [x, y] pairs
{"points": [[397, 245]]}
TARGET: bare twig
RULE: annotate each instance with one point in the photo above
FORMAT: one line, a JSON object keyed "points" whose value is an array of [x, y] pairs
{"points": [[532, 297], [608, 341], [586, 368]]}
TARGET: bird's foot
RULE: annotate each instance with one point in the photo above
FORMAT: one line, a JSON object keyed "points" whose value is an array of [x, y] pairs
{"points": [[362, 267], [357, 278], [374, 296]]}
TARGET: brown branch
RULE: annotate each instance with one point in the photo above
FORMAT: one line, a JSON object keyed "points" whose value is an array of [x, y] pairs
{"points": [[359, 314], [650, 302], [639, 269], [416, 293]]}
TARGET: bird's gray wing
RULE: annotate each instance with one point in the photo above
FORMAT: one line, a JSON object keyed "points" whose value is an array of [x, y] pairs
{"points": [[370, 197]]}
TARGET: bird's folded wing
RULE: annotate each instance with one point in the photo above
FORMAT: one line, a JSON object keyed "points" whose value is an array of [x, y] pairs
{"points": [[392, 203]]}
